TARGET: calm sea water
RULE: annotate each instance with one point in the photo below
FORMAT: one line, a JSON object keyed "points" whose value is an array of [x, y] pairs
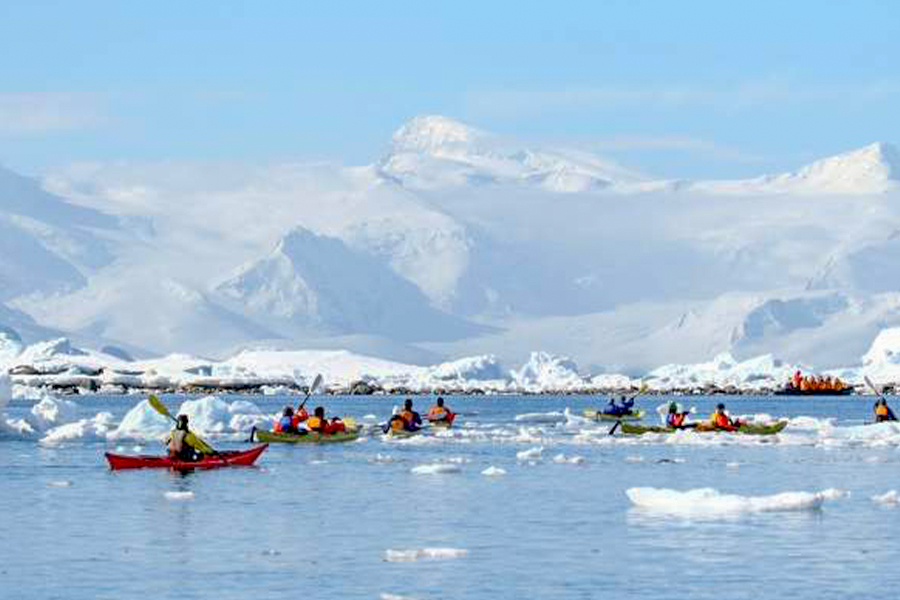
{"points": [[318, 521]]}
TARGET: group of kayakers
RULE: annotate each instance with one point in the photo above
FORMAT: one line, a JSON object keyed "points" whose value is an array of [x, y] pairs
{"points": [[622, 408], [815, 383], [291, 421], [182, 443], [676, 418], [409, 420]]}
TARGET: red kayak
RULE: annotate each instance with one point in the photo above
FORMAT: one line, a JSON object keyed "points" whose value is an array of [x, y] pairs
{"points": [[240, 458]]}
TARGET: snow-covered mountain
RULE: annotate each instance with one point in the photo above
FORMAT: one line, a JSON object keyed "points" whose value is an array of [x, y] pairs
{"points": [[46, 243], [458, 242], [874, 169], [317, 284], [436, 152]]}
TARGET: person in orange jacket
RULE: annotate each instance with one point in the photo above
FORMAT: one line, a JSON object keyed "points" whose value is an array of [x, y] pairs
{"points": [[720, 420]]}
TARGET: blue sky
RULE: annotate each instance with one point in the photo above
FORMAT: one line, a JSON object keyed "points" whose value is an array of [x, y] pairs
{"points": [[691, 88]]}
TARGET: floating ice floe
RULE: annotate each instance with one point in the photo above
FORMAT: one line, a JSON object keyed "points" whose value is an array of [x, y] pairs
{"points": [[547, 417], [436, 469], [889, 498], [179, 496], [709, 502], [59, 483], [424, 553], [493, 471], [532, 454], [572, 460]]}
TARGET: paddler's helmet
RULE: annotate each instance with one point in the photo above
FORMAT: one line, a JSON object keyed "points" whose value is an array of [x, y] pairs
{"points": [[720, 406], [673, 407], [408, 404], [319, 412], [182, 422]]}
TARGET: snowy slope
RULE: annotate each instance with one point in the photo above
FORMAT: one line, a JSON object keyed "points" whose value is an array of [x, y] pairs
{"points": [[873, 169], [46, 243], [313, 283]]}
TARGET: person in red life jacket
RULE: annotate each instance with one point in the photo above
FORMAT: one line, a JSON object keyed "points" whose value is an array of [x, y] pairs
{"points": [[286, 423], [411, 419], [440, 413], [720, 420], [335, 426], [676, 419], [797, 380], [300, 416]]}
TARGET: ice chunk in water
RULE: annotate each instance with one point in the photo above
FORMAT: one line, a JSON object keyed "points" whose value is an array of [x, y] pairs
{"points": [[424, 553], [179, 495]]}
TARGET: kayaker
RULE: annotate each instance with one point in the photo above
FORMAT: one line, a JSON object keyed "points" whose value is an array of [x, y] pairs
{"points": [[675, 419], [318, 423], [720, 420], [439, 412], [411, 419], [286, 423], [179, 443], [883, 412], [300, 416]]}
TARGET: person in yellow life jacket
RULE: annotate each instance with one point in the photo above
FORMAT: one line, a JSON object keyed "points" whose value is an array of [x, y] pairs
{"points": [[439, 412], [883, 412], [411, 419], [179, 443], [317, 423], [722, 421]]}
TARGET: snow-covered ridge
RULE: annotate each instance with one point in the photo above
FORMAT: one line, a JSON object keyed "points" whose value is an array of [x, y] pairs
{"points": [[873, 169], [56, 364]]}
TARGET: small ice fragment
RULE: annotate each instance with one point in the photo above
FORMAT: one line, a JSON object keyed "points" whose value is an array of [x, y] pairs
{"points": [[60, 483], [733, 465], [137, 448], [424, 553], [634, 459], [890, 498], [179, 495], [572, 460], [530, 454], [386, 596], [435, 469], [271, 552], [493, 471]]}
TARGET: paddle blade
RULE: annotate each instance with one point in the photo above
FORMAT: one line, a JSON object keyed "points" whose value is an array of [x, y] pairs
{"points": [[871, 385], [159, 407], [199, 443], [315, 384]]}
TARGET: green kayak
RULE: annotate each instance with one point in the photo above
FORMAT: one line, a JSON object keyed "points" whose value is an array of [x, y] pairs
{"points": [[599, 415], [746, 429], [308, 438]]}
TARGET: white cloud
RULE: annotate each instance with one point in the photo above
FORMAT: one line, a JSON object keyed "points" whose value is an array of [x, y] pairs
{"points": [[47, 112], [740, 95]]}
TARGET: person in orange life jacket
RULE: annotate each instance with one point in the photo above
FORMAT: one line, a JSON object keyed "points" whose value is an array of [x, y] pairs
{"points": [[411, 419], [319, 424], [675, 419], [179, 446], [883, 412], [439, 412], [286, 423], [720, 420]]}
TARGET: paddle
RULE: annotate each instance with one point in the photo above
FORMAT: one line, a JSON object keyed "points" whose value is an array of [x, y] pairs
{"points": [[191, 438], [640, 391], [315, 384]]}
